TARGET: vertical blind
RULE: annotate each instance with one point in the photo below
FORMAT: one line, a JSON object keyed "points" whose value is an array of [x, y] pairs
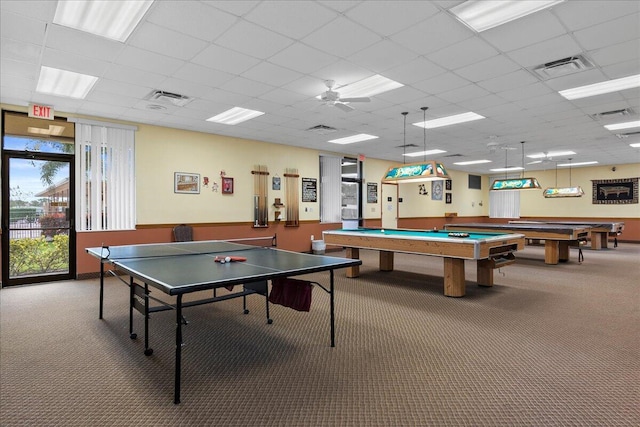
{"points": [[106, 167], [504, 203], [330, 189]]}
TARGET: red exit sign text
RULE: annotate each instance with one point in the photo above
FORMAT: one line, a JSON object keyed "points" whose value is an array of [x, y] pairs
{"points": [[41, 111]]}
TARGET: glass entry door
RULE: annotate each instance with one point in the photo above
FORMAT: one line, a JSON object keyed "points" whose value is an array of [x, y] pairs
{"points": [[38, 238]]}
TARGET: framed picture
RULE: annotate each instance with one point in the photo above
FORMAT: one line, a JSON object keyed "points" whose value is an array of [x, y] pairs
{"points": [[447, 198], [615, 191], [275, 183], [447, 185], [436, 190], [227, 185], [188, 183]]}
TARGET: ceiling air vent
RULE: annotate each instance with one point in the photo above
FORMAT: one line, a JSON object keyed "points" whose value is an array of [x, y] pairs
{"points": [[322, 129], [562, 67], [168, 98], [453, 155], [407, 146], [612, 114]]}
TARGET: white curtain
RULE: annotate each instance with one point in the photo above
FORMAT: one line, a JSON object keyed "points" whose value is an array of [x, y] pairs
{"points": [[105, 165], [504, 203], [330, 189]]}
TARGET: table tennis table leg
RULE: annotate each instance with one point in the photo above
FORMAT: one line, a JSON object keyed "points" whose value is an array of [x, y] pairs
{"points": [[101, 288], [176, 392], [132, 290], [332, 305]]}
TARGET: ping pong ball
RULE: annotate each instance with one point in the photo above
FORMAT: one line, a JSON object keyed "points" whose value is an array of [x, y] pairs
{"points": [[227, 259]]}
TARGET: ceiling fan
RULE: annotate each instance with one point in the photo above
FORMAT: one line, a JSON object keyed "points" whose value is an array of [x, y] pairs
{"points": [[332, 98], [547, 159]]}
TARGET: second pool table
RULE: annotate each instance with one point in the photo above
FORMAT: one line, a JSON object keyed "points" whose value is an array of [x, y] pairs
{"points": [[489, 250]]}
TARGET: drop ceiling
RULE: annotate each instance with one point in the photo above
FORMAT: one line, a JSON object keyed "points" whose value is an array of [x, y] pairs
{"points": [[274, 56]]}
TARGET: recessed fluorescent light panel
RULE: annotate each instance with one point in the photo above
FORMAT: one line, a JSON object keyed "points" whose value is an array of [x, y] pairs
{"points": [[64, 83], [472, 162], [578, 164], [635, 145], [424, 153], [450, 120], [370, 86], [515, 168], [353, 138], [602, 87], [234, 116], [550, 154], [114, 20], [481, 15], [626, 125]]}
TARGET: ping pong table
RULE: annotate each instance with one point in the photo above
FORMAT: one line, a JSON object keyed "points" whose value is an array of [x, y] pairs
{"points": [[180, 268]]}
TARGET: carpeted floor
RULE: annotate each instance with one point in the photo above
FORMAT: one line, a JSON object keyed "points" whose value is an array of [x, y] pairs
{"points": [[546, 346]]}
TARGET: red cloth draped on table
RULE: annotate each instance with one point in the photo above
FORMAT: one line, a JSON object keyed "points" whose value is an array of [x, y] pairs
{"points": [[292, 293]]}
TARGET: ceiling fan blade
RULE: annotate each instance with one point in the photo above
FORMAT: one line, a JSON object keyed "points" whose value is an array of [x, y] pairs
{"points": [[344, 107], [361, 99]]}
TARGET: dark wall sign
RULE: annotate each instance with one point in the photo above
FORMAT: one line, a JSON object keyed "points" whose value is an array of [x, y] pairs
{"points": [[309, 190], [372, 192]]}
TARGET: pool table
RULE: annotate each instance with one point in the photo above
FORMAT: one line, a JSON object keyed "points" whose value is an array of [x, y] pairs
{"points": [[600, 230], [489, 250], [557, 237]]}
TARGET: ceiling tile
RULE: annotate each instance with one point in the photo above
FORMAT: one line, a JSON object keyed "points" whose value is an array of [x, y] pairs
{"points": [[252, 40], [192, 18], [387, 18], [166, 42], [330, 38], [292, 58], [426, 37], [223, 59], [525, 31], [486, 69], [464, 53], [611, 32], [294, 19], [383, 56]]}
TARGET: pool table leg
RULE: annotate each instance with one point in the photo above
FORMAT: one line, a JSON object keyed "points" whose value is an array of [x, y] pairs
{"points": [[551, 251], [563, 249], [386, 261], [454, 285], [599, 240], [485, 272], [354, 271]]}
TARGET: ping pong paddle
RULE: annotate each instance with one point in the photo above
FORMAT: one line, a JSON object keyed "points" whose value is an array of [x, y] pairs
{"points": [[224, 259]]}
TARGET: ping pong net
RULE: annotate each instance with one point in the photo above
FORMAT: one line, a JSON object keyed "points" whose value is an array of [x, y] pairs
{"points": [[174, 249]]}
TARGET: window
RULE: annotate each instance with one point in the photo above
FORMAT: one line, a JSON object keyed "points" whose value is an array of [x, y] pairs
{"points": [[105, 165]]}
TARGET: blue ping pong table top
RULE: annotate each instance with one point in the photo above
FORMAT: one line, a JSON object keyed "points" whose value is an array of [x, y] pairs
{"points": [[179, 268]]}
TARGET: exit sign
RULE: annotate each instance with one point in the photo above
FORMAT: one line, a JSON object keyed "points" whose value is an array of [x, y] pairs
{"points": [[41, 111]]}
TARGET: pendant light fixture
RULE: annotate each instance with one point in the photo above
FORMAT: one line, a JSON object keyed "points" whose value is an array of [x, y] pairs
{"points": [[427, 170], [555, 192], [516, 183]]}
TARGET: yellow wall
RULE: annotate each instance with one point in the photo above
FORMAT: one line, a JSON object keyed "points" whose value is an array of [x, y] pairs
{"points": [[162, 151]]}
